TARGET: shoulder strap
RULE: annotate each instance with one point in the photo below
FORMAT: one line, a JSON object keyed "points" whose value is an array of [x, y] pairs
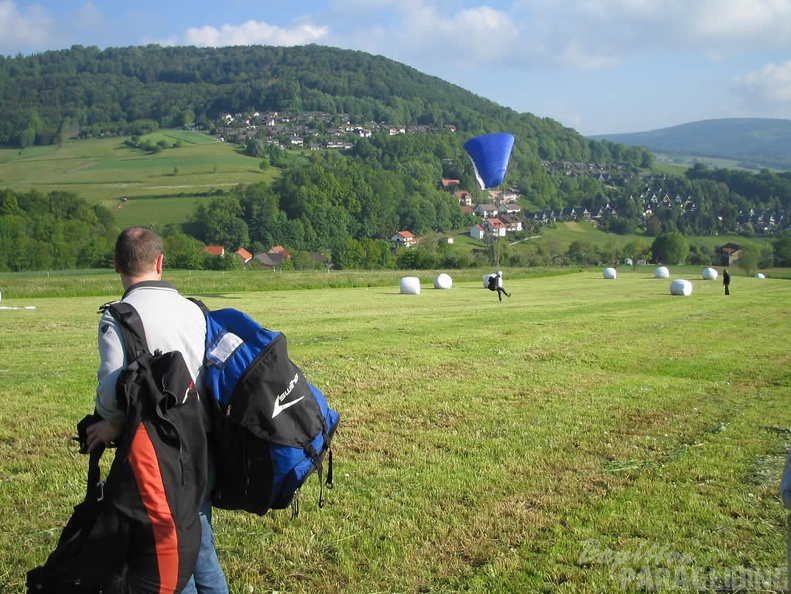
{"points": [[200, 304], [126, 315]]}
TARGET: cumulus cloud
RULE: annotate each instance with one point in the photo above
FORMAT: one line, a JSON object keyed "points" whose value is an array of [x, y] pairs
{"points": [[770, 85], [577, 34], [20, 31], [254, 33]]}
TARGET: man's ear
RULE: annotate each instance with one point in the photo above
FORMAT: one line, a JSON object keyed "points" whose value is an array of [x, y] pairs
{"points": [[115, 266], [160, 260]]}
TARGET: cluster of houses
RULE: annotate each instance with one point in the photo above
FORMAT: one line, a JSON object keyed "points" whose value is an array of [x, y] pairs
{"points": [[309, 130], [270, 259], [502, 214]]}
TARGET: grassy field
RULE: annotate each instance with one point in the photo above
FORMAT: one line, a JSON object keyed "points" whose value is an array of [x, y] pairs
{"points": [[585, 435], [105, 171]]}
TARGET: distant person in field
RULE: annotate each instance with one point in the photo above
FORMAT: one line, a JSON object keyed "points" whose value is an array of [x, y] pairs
{"points": [[726, 281], [496, 284]]}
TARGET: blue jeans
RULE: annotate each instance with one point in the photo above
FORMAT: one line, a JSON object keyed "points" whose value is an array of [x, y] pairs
{"points": [[207, 577]]}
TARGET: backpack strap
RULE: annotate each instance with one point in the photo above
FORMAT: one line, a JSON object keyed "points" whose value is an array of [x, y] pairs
{"points": [[134, 334], [200, 304]]}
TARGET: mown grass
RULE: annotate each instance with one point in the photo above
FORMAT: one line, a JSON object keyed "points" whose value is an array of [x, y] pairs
{"points": [[104, 171], [566, 440]]}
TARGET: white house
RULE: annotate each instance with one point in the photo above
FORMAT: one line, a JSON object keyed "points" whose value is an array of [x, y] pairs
{"points": [[477, 232], [404, 238], [495, 227], [486, 210]]}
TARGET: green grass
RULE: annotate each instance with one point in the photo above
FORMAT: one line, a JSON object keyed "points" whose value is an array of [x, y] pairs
{"points": [[580, 437], [105, 171]]}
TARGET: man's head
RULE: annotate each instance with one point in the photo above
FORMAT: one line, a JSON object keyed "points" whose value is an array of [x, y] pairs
{"points": [[138, 254]]}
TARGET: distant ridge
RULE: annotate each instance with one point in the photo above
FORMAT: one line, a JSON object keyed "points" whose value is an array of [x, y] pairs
{"points": [[752, 142]]}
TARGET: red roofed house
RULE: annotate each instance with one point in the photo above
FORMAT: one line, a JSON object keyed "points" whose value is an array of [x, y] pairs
{"points": [[244, 255], [281, 251], [496, 227], [215, 250], [404, 238], [450, 184], [465, 198]]}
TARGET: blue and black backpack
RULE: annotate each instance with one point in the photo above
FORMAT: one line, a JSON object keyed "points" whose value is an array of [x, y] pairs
{"points": [[272, 428]]}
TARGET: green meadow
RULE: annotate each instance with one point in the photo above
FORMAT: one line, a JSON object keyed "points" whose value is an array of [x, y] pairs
{"points": [[583, 436], [138, 187]]}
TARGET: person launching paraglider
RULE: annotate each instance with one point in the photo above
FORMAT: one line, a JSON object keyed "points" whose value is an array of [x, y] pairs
{"points": [[496, 284], [490, 155]]}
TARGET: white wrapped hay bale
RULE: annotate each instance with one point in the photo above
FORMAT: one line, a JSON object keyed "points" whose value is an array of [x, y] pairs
{"points": [[410, 285], [710, 274], [661, 272], [760, 275], [610, 273], [443, 281], [681, 287]]}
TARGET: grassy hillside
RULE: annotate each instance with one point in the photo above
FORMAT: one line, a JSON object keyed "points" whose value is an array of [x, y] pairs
{"points": [[156, 187], [583, 437]]}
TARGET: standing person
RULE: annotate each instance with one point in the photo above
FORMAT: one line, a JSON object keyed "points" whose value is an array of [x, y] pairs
{"points": [[726, 281], [499, 286], [171, 323]]}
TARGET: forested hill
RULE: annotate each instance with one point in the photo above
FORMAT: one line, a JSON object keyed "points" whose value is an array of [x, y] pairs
{"points": [[85, 91], [754, 142]]}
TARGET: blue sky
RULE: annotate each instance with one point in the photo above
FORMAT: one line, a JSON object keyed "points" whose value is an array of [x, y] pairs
{"points": [[598, 66]]}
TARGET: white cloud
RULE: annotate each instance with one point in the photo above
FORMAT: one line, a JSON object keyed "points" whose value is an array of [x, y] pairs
{"points": [[588, 34], [20, 31], [254, 33], [770, 85]]}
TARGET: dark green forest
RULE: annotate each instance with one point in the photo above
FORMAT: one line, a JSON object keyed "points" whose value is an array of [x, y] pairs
{"points": [[345, 204], [85, 91]]}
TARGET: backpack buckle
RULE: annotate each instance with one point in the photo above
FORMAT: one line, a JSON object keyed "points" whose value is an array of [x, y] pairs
{"points": [[100, 491]]}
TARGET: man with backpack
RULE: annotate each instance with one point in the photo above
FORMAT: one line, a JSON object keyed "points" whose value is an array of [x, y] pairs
{"points": [[496, 284], [171, 323]]}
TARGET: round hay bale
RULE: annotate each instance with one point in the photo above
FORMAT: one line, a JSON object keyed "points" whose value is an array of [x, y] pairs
{"points": [[610, 273], [710, 274], [681, 287], [760, 275], [443, 281], [410, 285], [661, 272]]}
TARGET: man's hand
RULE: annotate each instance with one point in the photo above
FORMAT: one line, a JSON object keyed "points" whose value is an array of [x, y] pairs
{"points": [[103, 432]]}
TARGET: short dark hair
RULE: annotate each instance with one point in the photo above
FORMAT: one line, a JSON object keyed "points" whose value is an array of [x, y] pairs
{"points": [[136, 250]]}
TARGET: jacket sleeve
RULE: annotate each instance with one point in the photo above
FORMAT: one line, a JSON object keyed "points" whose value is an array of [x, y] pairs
{"points": [[112, 361]]}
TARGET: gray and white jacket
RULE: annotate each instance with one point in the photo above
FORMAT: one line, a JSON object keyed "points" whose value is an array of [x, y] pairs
{"points": [[171, 323]]}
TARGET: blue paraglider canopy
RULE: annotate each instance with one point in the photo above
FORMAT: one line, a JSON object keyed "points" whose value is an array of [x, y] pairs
{"points": [[490, 154]]}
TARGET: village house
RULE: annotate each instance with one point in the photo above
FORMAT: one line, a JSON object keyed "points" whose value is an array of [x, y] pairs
{"points": [[465, 198], [403, 238], [244, 255], [478, 232], [450, 185], [495, 227], [486, 210]]}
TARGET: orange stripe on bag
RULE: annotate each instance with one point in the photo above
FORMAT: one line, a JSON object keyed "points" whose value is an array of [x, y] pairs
{"points": [[145, 468]]}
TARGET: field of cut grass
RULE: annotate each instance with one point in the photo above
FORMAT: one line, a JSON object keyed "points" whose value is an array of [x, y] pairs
{"points": [[106, 171], [585, 435]]}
